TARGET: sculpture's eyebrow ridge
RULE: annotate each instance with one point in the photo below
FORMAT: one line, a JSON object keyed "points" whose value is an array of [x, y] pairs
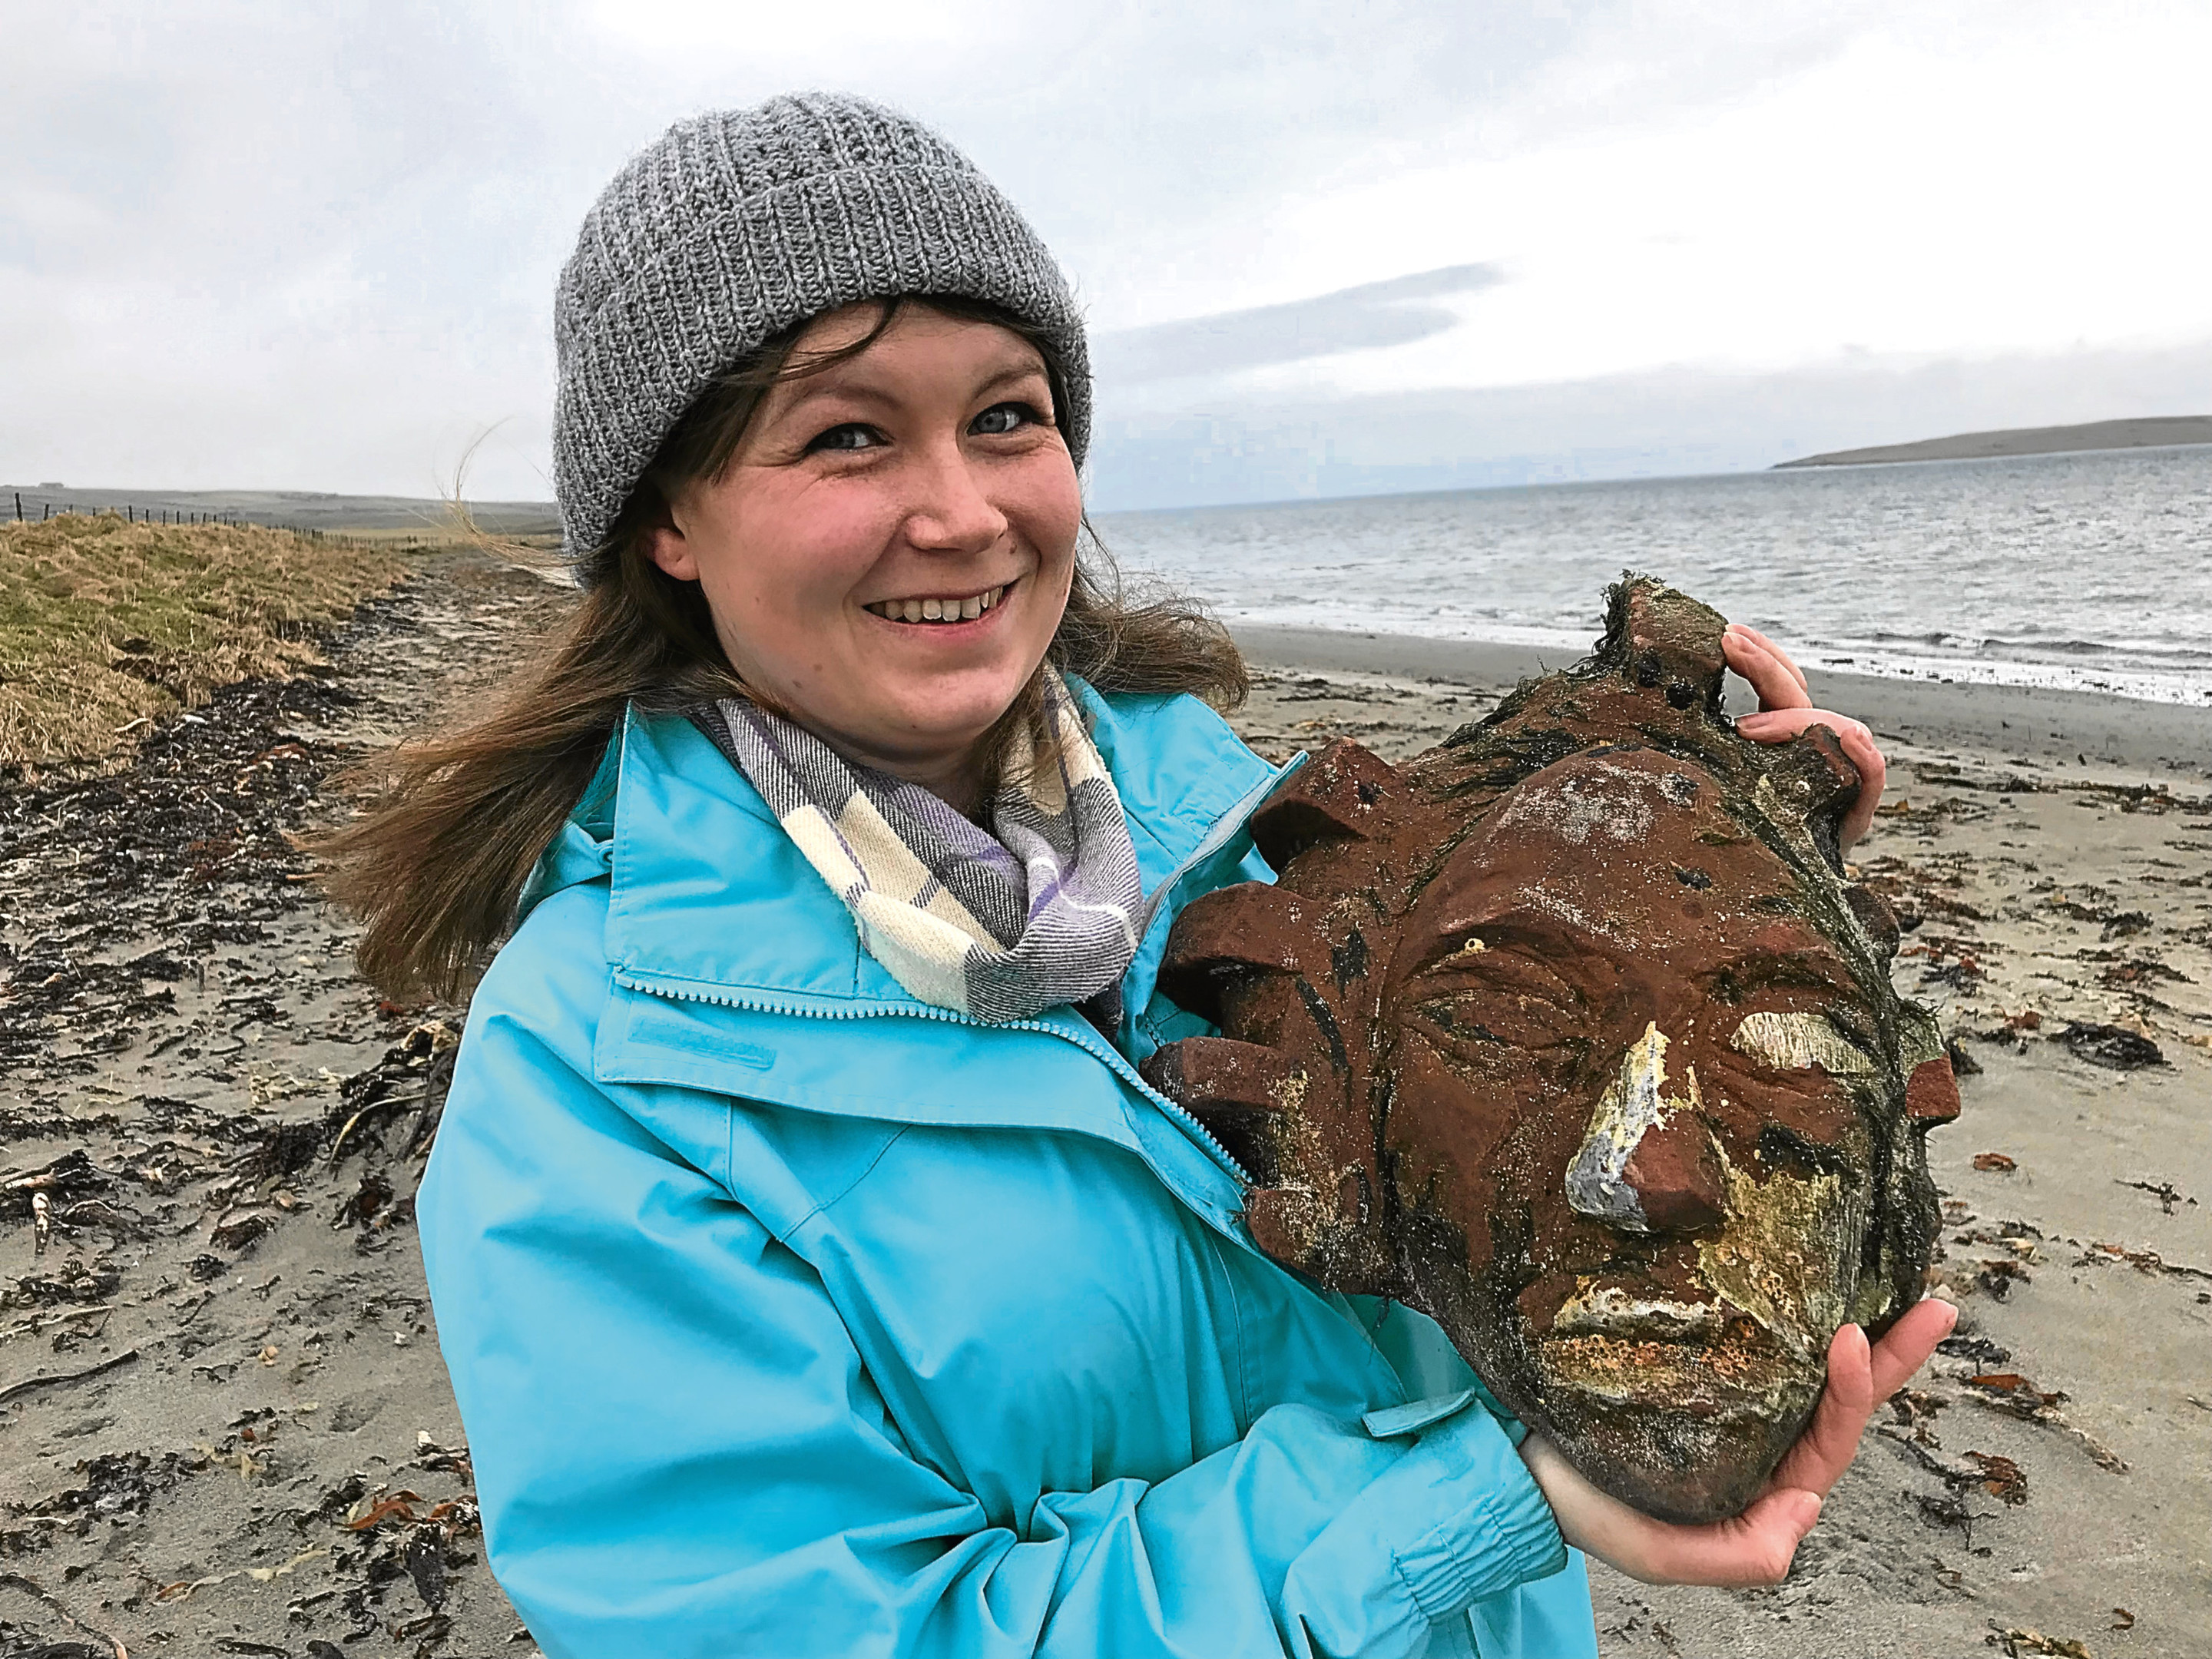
{"points": [[1508, 920], [1811, 967]]}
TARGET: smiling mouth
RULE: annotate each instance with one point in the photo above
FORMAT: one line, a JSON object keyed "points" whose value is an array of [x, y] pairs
{"points": [[940, 611]]}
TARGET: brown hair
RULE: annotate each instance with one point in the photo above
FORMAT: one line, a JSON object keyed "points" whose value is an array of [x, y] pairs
{"points": [[455, 823]]}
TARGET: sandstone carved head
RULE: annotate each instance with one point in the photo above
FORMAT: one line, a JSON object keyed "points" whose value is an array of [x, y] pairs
{"points": [[1573, 1034]]}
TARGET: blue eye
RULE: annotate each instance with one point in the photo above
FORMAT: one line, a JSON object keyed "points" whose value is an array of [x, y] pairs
{"points": [[850, 436], [1002, 418]]}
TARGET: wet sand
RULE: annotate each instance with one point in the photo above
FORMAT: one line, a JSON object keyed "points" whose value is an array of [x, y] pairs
{"points": [[223, 1423]]}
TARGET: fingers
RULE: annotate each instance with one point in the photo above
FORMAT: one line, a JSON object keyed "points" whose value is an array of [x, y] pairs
{"points": [[1755, 637], [1831, 1440], [1905, 1348], [1780, 725], [1755, 1547], [1860, 1379], [1779, 682], [1860, 748]]}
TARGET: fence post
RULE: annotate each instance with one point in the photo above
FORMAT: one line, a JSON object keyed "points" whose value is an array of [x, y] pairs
{"points": [[19, 506]]}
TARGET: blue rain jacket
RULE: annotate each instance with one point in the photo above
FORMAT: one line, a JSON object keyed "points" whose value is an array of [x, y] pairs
{"points": [[789, 1316]]}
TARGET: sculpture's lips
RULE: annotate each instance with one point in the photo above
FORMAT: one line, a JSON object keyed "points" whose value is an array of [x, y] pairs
{"points": [[1598, 1309], [1706, 1360]]}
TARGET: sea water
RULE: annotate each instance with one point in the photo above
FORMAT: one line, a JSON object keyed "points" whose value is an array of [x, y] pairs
{"points": [[2090, 570]]}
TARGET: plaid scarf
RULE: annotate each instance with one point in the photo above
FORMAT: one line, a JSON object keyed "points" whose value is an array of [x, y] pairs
{"points": [[1001, 924]]}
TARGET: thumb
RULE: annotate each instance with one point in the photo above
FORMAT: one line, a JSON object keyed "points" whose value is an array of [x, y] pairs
{"points": [[1786, 1512], [1773, 1528], [1800, 1508]]}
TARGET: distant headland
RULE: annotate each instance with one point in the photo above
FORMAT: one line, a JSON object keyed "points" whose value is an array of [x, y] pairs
{"points": [[2148, 433]]}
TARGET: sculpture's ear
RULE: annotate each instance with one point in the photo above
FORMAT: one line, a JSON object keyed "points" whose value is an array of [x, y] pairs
{"points": [[1931, 1090], [1241, 1091], [1344, 792], [1667, 639], [1814, 781], [1221, 936]]}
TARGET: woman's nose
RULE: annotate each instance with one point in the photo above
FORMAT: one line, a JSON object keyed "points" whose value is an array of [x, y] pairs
{"points": [[1647, 1164], [952, 513]]}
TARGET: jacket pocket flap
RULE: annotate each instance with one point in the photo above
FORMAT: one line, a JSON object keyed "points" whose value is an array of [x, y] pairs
{"points": [[1391, 1422]]}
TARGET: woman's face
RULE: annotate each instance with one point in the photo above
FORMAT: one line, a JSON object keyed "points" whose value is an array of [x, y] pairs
{"points": [[889, 553]]}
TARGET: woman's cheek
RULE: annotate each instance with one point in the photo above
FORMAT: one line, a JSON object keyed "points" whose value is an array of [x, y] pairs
{"points": [[1046, 504]]}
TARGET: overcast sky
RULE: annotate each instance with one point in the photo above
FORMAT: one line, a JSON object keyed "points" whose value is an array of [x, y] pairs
{"points": [[282, 247]]}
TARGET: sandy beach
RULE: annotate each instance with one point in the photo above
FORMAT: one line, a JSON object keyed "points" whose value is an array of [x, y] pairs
{"points": [[224, 1426]]}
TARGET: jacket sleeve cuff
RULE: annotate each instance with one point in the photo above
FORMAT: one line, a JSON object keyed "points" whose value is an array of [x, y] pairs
{"points": [[1456, 1519], [1501, 1537]]}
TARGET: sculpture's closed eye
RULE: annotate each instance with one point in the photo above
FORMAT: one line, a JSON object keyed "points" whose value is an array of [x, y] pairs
{"points": [[1798, 1041]]}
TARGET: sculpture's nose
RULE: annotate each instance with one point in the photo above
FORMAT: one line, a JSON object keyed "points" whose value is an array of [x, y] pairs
{"points": [[1648, 1163], [1675, 1174]]}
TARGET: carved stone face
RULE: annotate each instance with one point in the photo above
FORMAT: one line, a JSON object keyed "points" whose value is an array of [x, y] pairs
{"points": [[1571, 1035]]}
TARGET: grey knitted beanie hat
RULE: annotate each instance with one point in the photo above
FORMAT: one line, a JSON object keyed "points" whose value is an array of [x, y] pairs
{"points": [[736, 225]]}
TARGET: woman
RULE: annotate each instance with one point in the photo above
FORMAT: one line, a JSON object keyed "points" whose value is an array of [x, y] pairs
{"points": [[816, 1274]]}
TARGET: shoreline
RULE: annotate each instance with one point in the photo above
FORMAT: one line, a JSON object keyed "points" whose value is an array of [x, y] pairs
{"points": [[2043, 723]]}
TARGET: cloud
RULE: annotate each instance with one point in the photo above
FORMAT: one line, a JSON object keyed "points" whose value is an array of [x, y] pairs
{"points": [[248, 244], [1361, 318]]}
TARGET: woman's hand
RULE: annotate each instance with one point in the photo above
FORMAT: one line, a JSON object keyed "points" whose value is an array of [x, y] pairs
{"points": [[1757, 1546], [1785, 708]]}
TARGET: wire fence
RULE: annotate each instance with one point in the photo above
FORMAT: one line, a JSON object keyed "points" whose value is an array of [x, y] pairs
{"points": [[131, 513]]}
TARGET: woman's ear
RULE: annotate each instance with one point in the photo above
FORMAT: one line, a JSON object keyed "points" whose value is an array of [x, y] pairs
{"points": [[672, 551], [667, 546]]}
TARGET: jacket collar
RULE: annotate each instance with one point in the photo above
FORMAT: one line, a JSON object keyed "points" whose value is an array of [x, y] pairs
{"points": [[709, 895]]}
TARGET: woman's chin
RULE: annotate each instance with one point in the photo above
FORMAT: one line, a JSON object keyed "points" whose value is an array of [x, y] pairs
{"points": [[936, 723]]}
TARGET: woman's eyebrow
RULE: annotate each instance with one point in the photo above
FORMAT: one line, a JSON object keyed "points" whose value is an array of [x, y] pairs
{"points": [[1010, 375], [807, 392]]}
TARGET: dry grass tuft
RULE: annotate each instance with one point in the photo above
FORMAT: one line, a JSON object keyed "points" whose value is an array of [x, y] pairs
{"points": [[104, 624]]}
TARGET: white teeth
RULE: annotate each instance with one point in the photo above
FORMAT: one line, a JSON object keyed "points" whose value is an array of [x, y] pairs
{"points": [[914, 610]]}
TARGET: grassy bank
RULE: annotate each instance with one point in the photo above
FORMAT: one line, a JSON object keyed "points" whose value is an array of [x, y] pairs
{"points": [[106, 626]]}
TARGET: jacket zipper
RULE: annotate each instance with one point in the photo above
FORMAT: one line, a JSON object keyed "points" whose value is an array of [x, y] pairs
{"points": [[1115, 1060], [1216, 838]]}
